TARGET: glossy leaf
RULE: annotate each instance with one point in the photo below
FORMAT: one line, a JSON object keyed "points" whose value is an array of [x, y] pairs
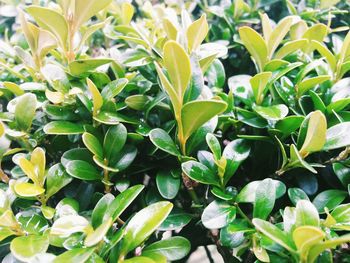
{"points": [[306, 214], [178, 65], [163, 141], [25, 111], [167, 184], [28, 189], [25, 247], [63, 128], [272, 113], [200, 173], [274, 233], [174, 248], [264, 199], [196, 33], [144, 223], [255, 44], [75, 255], [218, 214], [194, 117], [82, 170], [316, 133], [93, 144], [337, 136]]}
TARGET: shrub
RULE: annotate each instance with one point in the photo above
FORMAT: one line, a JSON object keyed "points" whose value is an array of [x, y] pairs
{"points": [[138, 132]]}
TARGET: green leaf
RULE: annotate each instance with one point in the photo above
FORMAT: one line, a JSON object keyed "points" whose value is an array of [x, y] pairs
{"points": [[247, 194], [329, 199], [170, 29], [218, 214], [167, 184], [259, 84], [196, 33], [324, 51], [29, 169], [114, 88], [81, 67], [63, 128], [28, 189], [193, 115], [8, 219], [305, 237], [345, 49], [289, 124], [93, 238], [296, 160], [163, 141], [124, 158], [173, 248], [296, 194], [273, 112], [264, 199], [51, 20], [200, 173], [278, 33], [143, 224], [137, 102], [290, 47], [97, 99], [84, 10], [141, 259], [47, 211], [99, 213], [235, 153], [25, 247], [25, 111], [255, 45], [310, 83], [69, 224], [342, 171], [338, 105], [38, 160], [56, 179], [108, 206], [114, 141], [337, 136], [5, 233], [93, 144], [173, 95], [316, 133], [127, 12], [75, 255], [82, 170], [306, 214], [214, 145], [275, 65], [341, 213], [178, 65], [316, 32], [275, 234], [319, 248], [114, 118]]}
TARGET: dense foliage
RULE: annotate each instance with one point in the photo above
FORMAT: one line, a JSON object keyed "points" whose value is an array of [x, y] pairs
{"points": [[140, 131]]}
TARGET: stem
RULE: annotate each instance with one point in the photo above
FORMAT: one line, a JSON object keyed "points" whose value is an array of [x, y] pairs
{"points": [[189, 186], [4, 176], [194, 196], [210, 258], [180, 135], [220, 249], [242, 214], [106, 181], [120, 222]]}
